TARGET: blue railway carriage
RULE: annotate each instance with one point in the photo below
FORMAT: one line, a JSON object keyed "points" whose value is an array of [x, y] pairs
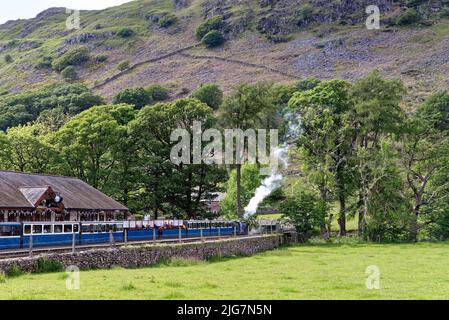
{"points": [[44, 234], [210, 228], [100, 232], [48, 234], [10, 235]]}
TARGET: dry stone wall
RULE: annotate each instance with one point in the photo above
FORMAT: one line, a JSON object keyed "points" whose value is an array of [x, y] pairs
{"points": [[141, 256]]}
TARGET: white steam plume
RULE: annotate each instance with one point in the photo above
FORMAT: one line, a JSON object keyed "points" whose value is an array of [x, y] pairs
{"points": [[274, 181]]}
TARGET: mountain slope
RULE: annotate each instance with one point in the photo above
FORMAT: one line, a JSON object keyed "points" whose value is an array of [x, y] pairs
{"points": [[266, 40]]}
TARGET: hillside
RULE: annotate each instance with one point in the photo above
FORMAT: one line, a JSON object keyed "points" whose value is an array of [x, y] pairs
{"points": [[265, 40]]}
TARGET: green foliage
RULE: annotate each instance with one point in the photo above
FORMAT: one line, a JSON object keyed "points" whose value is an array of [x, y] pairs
{"points": [[91, 142], [388, 218], [212, 39], [44, 63], [158, 92], [251, 179], [306, 211], [14, 271], [214, 23], [409, 16], [74, 57], [46, 265], [167, 20], [69, 73], [8, 58], [101, 58], [138, 97], [22, 149], [21, 108], [307, 84], [210, 94], [177, 193], [125, 33], [122, 66]]}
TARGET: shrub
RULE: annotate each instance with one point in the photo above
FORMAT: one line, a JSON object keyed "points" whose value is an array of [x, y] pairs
{"points": [[69, 73], [213, 38], [2, 277], [125, 33], [101, 58], [158, 92], [409, 16], [122, 66], [138, 97], [71, 58], [8, 58], [214, 23], [307, 84], [306, 211], [44, 63], [14, 271], [45, 265], [210, 94], [167, 21]]}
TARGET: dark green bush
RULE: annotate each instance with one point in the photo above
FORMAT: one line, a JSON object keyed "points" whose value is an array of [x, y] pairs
{"points": [[122, 66], [167, 21], [125, 33], [46, 265], [101, 58], [210, 94], [408, 17], [71, 58], [307, 84], [212, 39], [14, 271], [158, 92], [44, 63], [69, 73], [138, 97], [8, 58], [214, 23]]}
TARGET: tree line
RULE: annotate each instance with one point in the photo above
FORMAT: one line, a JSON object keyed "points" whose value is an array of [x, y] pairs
{"points": [[361, 153]]}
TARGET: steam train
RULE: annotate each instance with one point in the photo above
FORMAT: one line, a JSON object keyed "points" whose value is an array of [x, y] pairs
{"points": [[19, 235]]}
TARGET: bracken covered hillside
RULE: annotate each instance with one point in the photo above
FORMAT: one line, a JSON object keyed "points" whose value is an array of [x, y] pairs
{"points": [[156, 41]]}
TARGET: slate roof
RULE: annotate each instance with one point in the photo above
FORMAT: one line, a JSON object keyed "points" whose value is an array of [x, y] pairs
{"points": [[19, 190]]}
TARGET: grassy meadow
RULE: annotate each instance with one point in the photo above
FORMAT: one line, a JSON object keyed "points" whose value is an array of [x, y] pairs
{"points": [[330, 271]]}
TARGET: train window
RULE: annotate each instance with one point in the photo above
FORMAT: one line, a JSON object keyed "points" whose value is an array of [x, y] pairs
{"points": [[57, 228], [120, 227], [9, 231], [75, 228], [27, 229], [47, 228], [37, 229], [67, 228], [87, 228]]}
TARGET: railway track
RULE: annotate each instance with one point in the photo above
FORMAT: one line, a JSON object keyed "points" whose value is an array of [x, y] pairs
{"points": [[67, 249]]}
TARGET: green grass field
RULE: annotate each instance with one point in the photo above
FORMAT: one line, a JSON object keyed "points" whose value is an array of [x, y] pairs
{"points": [[408, 271]]}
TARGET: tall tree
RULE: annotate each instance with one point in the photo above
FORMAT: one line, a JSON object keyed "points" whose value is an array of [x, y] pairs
{"points": [[377, 115], [23, 149], [325, 144], [89, 141], [178, 189], [248, 107], [425, 153]]}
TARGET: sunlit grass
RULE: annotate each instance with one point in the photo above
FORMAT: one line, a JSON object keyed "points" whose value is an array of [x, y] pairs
{"points": [[408, 271]]}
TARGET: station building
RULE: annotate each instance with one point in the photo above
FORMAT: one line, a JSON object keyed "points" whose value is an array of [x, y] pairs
{"points": [[37, 197]]}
